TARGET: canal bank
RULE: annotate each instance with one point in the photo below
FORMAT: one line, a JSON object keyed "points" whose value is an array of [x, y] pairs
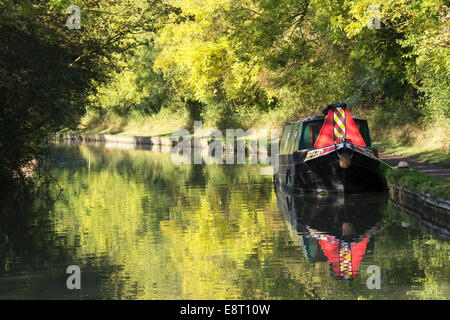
{"points": [[432, 213], [135, 140], [159, 141]]}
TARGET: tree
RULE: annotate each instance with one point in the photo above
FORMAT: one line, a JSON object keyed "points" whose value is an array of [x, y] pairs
{"points": [[48, 71]]}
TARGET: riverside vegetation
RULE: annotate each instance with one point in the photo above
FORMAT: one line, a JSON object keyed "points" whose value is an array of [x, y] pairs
{"points": [[150, 67]]}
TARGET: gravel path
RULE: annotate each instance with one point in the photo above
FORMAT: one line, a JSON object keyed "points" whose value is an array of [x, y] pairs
{"points": [[427, 168]]}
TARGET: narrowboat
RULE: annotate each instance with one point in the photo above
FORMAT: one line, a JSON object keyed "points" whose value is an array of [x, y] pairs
{"points": [[331, 153]]}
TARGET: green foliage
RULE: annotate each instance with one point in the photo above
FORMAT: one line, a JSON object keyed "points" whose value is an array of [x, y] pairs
{"points": [[48, 71], [244, 61], [135, 86], [41, 90], [415, 180]]}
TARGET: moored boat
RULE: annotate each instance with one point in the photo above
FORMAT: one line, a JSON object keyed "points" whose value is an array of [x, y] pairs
{"points": [[331, 153]]}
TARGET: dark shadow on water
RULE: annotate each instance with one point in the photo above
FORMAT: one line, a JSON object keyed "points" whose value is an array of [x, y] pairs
{"points": [[34, 259]]}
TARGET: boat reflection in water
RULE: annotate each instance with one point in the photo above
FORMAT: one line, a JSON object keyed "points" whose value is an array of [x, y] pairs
{"points": [[333, 228]]}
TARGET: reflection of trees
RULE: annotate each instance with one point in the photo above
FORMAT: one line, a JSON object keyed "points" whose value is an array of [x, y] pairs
{"points": [[170, 239], [414, 263], [25, 239], [33, 258]]}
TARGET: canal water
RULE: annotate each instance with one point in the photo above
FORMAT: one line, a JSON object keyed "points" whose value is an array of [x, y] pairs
{"points": [[140, 227]]}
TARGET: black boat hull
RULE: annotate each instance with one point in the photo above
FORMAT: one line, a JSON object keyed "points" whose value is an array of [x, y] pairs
{"points": [[325, 174]]}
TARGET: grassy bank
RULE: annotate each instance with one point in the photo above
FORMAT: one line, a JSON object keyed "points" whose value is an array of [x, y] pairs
{"points": [[167, 121], [428, 145], [417, 181], [160, 124]]}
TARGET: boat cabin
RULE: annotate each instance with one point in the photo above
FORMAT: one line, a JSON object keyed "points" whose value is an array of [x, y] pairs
{"points": [[302, 134]]}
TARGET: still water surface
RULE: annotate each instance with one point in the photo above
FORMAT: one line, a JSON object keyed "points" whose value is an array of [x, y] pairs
{"points": [[141, 227]]}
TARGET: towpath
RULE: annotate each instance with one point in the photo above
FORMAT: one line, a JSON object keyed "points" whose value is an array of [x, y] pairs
{"points": [[427, 168]]}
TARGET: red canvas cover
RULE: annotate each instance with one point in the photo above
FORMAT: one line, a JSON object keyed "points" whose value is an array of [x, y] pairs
{"points": [[353, 134], [327, 133]]}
